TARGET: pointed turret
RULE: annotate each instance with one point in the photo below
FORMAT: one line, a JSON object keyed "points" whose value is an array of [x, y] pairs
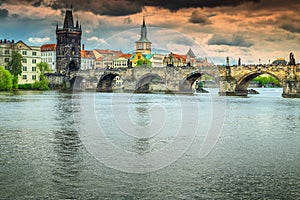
{"points": [[143, 45], [77, 25], [68, 23], [191, 53], [143, 32]]}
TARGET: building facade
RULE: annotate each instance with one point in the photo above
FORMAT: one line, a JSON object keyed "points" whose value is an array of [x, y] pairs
{"points": [[87, 60], [120, 62], [48, 55], [175, 60], [143, 45], [157, 60], [105, 58], [68, 48], [31, 57]]}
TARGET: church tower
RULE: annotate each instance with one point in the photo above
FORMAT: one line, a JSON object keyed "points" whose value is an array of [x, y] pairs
{"points": [[68, 48], [143, 45]]}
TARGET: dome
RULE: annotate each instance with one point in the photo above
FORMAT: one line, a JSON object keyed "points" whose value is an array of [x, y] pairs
{"points": [[279, 61]]}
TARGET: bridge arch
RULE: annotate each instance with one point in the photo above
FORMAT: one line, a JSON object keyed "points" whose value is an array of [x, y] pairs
{"points": [[73, 66], [187, 83], [76, 83], [143, 84], [105, 83], [243, 83]]}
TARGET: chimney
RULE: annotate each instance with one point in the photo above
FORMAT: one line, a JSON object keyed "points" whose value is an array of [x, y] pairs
{"points": [[82, 46]]}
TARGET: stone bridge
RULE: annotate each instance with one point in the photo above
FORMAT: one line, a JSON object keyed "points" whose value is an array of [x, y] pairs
{"points": [[142, 79], [232, 80]]}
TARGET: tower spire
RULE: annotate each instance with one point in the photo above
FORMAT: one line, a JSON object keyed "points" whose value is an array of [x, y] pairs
{"points": [[69, 22], [143, 45]]}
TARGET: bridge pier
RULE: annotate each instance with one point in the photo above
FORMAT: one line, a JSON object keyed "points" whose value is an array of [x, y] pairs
{"points": [[291, 89], [228, 87]]}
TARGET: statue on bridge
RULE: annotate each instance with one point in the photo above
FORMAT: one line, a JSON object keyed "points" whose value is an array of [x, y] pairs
{"points": [[292, 59]]}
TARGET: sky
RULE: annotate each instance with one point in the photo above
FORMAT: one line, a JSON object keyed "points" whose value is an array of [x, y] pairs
{"points": [[253, 30]]}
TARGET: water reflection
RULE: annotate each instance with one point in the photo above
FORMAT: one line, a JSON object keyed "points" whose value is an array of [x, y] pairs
{"points": [[67, 146]]}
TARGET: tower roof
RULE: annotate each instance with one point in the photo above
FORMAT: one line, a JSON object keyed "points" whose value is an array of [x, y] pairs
{"points": [[143, 37], [69, 23], [191, 53]]}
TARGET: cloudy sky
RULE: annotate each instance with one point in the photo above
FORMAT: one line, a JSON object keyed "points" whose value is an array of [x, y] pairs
{"points": [[250, 29]]}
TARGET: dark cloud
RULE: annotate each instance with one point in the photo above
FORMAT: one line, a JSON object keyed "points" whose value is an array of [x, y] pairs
{"points": [[3, 13], [110, 8], [221, 50], [212, 15], [270, 39], [198, 18], [289, 23], [37, 4], [179, 4], [291, 27], [126, 7], [235, 40]]}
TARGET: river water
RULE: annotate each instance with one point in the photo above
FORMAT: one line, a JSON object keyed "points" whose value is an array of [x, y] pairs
{"points": [[149, 146]]}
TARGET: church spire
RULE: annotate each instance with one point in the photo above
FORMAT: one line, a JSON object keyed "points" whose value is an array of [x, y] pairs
{"points": [[143, 45], [143, 32]]}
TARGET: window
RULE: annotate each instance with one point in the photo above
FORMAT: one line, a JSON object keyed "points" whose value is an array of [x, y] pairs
{"points": [[34, 53], [24, 61], [6, 51], [6, 59], [140, 46], [34, 61], [24, 77], [33, 77], [24, 53], [24, 68], [33, 69]]}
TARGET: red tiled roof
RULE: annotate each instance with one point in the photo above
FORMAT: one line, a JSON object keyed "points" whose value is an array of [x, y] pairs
{"points": [[177, 56], [125, 56], [87, 54], [48, 47], [108, 51]]}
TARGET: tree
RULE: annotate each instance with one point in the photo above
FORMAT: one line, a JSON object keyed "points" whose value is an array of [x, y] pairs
{"points": [[43, 83], [144, 62], [43, 67], [5, 79], [15, 67]]}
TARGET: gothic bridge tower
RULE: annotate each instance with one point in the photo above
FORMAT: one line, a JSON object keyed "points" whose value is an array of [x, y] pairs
{"points": [[143, 45], [68, 46]]}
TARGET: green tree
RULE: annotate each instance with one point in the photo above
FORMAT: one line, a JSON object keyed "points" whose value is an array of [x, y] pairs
{"points": [[43, 67], [145, 62], [5, 79], [265, 80], [43, 84], [15, 67]]}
